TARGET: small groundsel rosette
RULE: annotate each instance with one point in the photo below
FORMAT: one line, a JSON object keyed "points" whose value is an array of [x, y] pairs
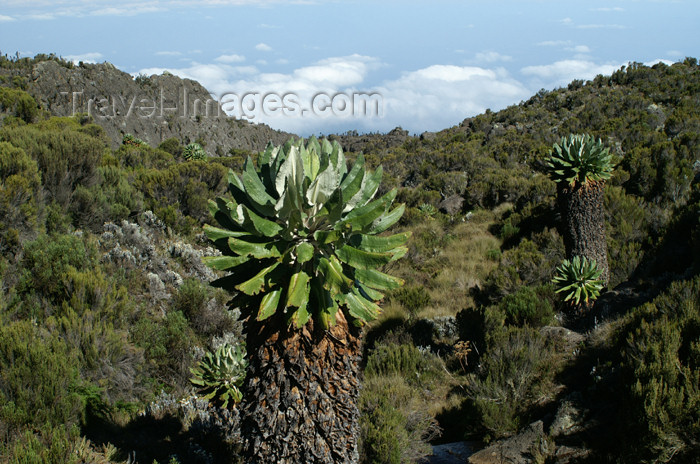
{"points": [[194, 152], [220, 374], [299, 236], [580, 159], [579, 280]]}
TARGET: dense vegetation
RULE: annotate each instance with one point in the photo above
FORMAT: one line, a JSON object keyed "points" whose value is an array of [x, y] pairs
{"points": [[105, 305]]}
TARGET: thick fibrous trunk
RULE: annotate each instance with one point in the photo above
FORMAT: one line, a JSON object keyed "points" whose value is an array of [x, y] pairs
{"points": [[583, 223], [300, 396]]}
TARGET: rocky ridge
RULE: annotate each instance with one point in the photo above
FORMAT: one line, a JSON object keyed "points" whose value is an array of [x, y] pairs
{"points": [[151, 108]]}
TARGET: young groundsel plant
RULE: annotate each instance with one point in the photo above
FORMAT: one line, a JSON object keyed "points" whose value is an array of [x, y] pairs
{"points": [[579, 280], [220, 374]]}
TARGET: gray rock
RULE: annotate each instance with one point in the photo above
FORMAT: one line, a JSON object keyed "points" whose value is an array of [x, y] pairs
{"points": [[515, 450], [451, 205], [569, 417], [151, 108], [451, 453]]}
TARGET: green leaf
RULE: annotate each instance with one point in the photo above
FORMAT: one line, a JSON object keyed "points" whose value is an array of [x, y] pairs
{"points": [[215, 233], [290, 172], [269, 304], [377, 280], [353, 180], [311, 162], [365, 215], [370, 184], [299, 317], [387, 220], [361, 308], [259, 224], [258, 283], [360, 259], [255, 190], [298, 292], [368, 292], [222, 263], [304, 251], [324, 237], [256, 250], [335, 281], [323, 186], [378, 244]]}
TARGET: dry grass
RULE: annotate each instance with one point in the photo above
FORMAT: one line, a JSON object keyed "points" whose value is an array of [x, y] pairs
{"points": [[449, 261]]}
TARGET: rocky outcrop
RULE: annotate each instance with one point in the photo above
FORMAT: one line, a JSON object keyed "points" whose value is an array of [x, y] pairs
{"points": [[151, 108], [523, 448]]}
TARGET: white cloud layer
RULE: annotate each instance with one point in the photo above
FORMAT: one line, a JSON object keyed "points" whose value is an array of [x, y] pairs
{"points": [[90, 57], [427, 99], [562, 72], [333, 94]]}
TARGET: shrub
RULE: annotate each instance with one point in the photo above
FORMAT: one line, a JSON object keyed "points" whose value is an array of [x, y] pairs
{"points": [[393, 429], [167, 345], [38, 375], [172, 146], [66, 158], [196, 301], [514, 373], [19, 104], [530, 306], [524, 265], [47, 261], [20, 198], [413, 298], [405, 360], [661, 352]]}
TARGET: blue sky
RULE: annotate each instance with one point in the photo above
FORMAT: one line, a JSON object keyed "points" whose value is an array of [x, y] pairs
{"points": [[428, 65]]}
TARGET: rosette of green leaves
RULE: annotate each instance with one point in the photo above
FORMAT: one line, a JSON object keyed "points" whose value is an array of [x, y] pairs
{"points": [[580, 159], [194, 152], [129, 139], [299, 236], [220, 374], [579, 280]]}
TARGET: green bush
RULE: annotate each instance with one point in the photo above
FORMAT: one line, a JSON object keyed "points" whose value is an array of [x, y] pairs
{"points": [[18, 103], [20, 199], [524, 265], [405, 360], [48, 260], [44, 445], [172, 146], [38, 378], [393, 428], [661, 354], [167, 345], [531, 306], [195, 300], [66, 158], [514, 373], [412, 297]]}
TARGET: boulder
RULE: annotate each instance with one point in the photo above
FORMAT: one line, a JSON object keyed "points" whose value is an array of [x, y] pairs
{"points": [[451, 205], [519, 449]]}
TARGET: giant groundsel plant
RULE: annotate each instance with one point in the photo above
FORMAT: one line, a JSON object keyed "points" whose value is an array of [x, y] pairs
{"points": [[299, 235]]}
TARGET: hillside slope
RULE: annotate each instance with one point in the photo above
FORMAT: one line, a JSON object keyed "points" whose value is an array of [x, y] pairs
{"points": [[152, 108]]}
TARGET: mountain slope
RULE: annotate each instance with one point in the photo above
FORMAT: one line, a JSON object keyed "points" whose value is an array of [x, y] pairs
{"points": [[151, 108]]}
